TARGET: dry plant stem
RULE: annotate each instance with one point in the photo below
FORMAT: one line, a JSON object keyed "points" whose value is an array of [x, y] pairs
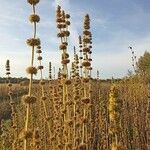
{"points": [[14, 117], [30, 85]]}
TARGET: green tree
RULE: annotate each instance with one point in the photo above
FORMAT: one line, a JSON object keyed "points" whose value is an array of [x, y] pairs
{"points": [[144, 66]]}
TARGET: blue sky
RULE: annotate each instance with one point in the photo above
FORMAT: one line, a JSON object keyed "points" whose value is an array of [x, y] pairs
{"points": [[115, 25]]}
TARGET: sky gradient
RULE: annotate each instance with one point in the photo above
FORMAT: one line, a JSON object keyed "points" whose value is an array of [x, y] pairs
{"points": [[115, 25]]}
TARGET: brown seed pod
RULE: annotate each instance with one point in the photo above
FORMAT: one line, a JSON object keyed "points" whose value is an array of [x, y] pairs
{"points": [[82, 146], [86, 63], [64, 26], [7, 73], [69, 145], [69, 122], [9, 85], [59, 146], [62, 47], [86, 32], [90, 59], [67, 33], [61, 34], [38, 51], [42, 82], [86, 49], [64, 75], [59, 20], [34, 18], [39, 58], [86, 40], [84, 120], [59, 26], [40, 67], [39, 47], [67, 16], [10, 93], [29, 99], [77, 124], [68, 23], [85, 100], [43, 98], [14, 126], [12, 103], [68, 82], [63, 111], [28, 134], [48, 118], [58, 15], [85, 80], [65, 61], [90, 52], [76, 97], [31, 70], [33, 42], [65, 55], [66, 43], [33, 2]]}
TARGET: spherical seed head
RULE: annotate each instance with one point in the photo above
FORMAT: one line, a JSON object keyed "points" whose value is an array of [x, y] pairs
{"points": [[85, 80], [27, 134], [38, 51], [68, 82], [39, 47], [86, 64], [43, 98], [87, 40], [34, 18], [62, 47], [39, 58], [42, 82], [29, 99], [86, 49], [33, 2], [61, 34], [82, 146], [60, 146], [67, 33], [9, 85], [33, 42], [68, 23], [7, 73], [69, 145], [67, 16], [31, 70], [85, 100], [87, 33], [40, 67], [65, 61]]}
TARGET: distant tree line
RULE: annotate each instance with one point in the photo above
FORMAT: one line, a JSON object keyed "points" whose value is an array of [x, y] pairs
{"points": [[13, 80]]}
